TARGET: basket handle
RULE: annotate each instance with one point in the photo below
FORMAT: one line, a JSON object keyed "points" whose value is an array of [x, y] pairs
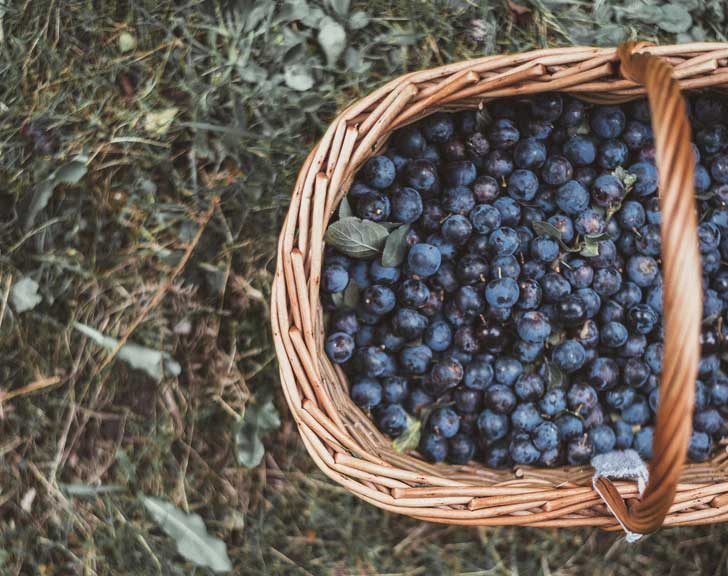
{"points": [[682, 291]]}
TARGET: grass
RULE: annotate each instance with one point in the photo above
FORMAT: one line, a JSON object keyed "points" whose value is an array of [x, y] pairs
{"points": [[183, 109]]}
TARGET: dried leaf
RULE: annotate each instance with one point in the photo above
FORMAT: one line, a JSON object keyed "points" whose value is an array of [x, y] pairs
{"points": [[190, 535], [158, 123], [356, 237], [81, 490], [24, 295], [127, 42], [153, 362], [410, 438], [518, 9], [395, 248]]}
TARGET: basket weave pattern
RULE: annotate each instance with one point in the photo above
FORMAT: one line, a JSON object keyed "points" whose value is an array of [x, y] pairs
{"points": [[344, 442]]}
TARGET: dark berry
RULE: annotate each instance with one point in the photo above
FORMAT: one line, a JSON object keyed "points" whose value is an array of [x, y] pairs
{"points": [[642, 442], [607, 121], [366, 393], [579, 450], [502, 293], [557, 170], [339, 347], [334, 278], [373, 206], [433, 447], [379, 172], [602, 438], [569, 356], [461, 449], [424, 259], [444, 421], [523, 451], [406, 205], [391, 419]]}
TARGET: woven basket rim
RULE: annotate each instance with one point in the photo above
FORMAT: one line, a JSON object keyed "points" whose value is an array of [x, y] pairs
{"points": [[341, 439]]}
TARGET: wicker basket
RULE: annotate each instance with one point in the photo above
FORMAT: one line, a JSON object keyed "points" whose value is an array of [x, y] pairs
{"points": [[342, 439]]}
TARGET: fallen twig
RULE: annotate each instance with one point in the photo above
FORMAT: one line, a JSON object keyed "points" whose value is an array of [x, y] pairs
{"points": [[29, 388]]}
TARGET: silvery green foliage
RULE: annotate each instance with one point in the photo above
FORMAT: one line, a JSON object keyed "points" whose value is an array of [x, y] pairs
{"points": [[190, 535], [259, 420]]}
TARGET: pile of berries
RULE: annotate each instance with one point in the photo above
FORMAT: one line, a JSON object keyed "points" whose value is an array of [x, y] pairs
{"points": [[524, 323]]}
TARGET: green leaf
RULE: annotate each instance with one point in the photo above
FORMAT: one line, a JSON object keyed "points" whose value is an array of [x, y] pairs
{"points": [[596, 237], [675, 19], [627, 178], [395, 248], [345, 210], [649, 14], [542, 228], [294, 10], [358, 20], [356, 237], [24, 295], [612, 210], [583, 127], [68, 173], [298, 77], [351, 295], [554, 376], [256, 16], [590, 249], [337, 299], [556, 337], [332, 38], [259, 419], [410, 438], [153, 362], [125, 465], [697, 34], [190, 535], [341, 7], [313, 18], [390, 225]]}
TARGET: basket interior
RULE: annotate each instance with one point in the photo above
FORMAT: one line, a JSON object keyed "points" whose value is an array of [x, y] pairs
{"points": [[362, 427]]}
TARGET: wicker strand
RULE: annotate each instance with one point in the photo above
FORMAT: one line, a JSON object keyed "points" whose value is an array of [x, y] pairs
{"points": [[342, 440]]}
